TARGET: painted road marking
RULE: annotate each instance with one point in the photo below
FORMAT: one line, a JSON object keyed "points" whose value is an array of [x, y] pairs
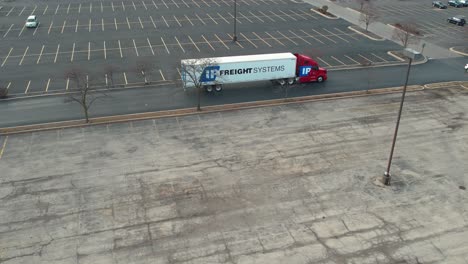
{"points": [[115, 23], [277, 16], [223, 18], [177, 21], [318, 40], [155, 5], [134, 7], [245, 17], [73, 52], [165, 21], [292, 32], [179, 44], [56, 54], [260, 38], [185, 3], [136, 50], [188, 19], [6, 58], [68, 82], [105, 51], [22, 10], [102, 24], [237, 42], [56, 10], [365, 58], [128, 23], [286, 37], [40, 55], [344, 33], [26, 51], [34, 10], [125, 78], [47, 6], [238, 21], [162, 75], [261, 20], [3, 147], [180, 74], [333, 57], [264, 15], [79, 8], [194, 43], [288, 15], [27, 87], [323, 35], [152, 21], [200, 19], [175, 4], [8, 86], [91, 7], [165, 46], [206, 3], [89, 27], [123, 6], [207, 42], [21, 32], [50, 27], [76, 26], [357, 62], [141, 24], [324, 62], [384, 60], [165, 4], [8, 30], [35, 30], [63, 27], [102, 10], [222, 42], [68, 8], [196, 3], [112, 4], [248, 40], [331, 33], [10, 11], [151, 46], [275, 39], [212, 18], [89, 50], [120, 49], [47, 85], [144, 5]]}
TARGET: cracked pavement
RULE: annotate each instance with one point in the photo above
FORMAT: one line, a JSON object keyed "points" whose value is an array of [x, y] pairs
{"points": [[281, 184]]}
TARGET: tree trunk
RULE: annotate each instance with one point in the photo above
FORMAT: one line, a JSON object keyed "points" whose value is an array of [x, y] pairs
{"points": [[85, 109], [199, 98]]}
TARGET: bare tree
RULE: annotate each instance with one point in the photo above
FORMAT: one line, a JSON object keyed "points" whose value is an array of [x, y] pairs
{"points": [[368, 14], [361, 4], [82, 91], [109, 71], [144, 68], [406, 33], [200, 74]]}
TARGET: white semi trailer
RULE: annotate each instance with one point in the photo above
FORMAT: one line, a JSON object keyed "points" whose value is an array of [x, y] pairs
{"points": [[212, 73]]}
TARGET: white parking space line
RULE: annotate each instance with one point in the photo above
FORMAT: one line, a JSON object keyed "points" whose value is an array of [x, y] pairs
{"points": [[344, 33], [89, 26], [333, 57], [89, 50], [223, 18], [162, 75], [331, 33], [136, 50], [50, 27], [151, 46], [316, 39], [237, 42], [238, 21], [6, 58], [185, 3], [196, 3], [207, 42], [10, 11], [244, 2], [155, 4], [68, 82], [177, 21], [265, 15], [115, 23], [194, 43], [200, 19], [178, 42], [21, 32], [152, 21], [188, 19], [102, 9], [27, 87], [180, 74], [76, 26], [260, 38], [303, 13], [212, 18], [8, 86], [206, 3], [112, 5], [63, 27], [175, 4], [34, 10], [248, 40], [24, 54], [277, 16], [8, 30], [134, 7], [141, 24], [287, 38], [56, 10], [165, 4], [165, 21], [35, 30], [383, 60], [45, 10], [164, 43], [324, 62], [105, 51], [47, 85], [40, 55], [213, 2], [79, 8], [320, 34], [125, 77], [22, 10], [56, 53], [102, 24], [123, 6], [261, 20], [288, 15], [365, 58], [357, 62], [292, 32], [73, 52], [275, 39], [68, 8], [245, 17], [128, 23], [222, 42], [120, 49]]}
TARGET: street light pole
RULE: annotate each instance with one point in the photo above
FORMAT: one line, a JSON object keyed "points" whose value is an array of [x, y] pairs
{"points": [[234, 37], [410, 54]]}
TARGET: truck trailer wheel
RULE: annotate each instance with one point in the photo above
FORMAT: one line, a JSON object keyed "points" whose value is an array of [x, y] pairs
{"points": [[282, 82], [320, 79], [218, 88], [291, 81], [209, 88]]}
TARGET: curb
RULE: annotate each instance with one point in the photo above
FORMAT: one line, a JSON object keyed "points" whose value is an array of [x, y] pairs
{"points": [[452, 49], [365, 35], [325, 16], [208, 109]]}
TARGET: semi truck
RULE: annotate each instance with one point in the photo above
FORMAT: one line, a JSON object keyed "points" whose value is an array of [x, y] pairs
{"points": [[283, 68]]}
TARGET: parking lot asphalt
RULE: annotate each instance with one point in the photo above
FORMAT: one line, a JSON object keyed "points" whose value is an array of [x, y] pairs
{"points": [[91, 35], [282, 184]]}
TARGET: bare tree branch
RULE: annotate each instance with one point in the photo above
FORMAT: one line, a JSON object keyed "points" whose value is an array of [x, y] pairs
{"points": [[406, 33], [369, 14]]}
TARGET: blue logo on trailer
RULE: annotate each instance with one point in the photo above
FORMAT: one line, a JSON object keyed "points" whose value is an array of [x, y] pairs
{"points": [[304, 70], [209, 73]]}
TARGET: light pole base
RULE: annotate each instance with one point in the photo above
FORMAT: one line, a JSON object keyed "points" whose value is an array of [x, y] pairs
{"points": [[387, 178], [234, 39]]}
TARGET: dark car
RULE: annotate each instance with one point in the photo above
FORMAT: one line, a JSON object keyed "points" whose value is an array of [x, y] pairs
{"points": [[455, 3], [457, 20], [439, 5]]}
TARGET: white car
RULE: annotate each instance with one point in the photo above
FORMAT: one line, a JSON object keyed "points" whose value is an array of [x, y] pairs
{"points": [[32, 22], [466, 67]]}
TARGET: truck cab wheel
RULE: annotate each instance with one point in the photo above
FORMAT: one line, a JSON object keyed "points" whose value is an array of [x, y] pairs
{"points": [[209, 88], [218, 88], [320, 79]]}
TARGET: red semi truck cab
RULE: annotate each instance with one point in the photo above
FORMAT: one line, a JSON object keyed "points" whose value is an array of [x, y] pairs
{"points": [[308, 70]]}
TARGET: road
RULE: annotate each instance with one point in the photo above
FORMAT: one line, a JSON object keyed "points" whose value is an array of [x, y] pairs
{"points": [[57, 108]]}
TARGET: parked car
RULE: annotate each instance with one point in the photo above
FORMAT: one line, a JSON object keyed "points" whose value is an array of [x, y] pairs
{"points": [[464, 2], [439, 5], [457, 20], [32, 22], [466, 67], [455, 3]]}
